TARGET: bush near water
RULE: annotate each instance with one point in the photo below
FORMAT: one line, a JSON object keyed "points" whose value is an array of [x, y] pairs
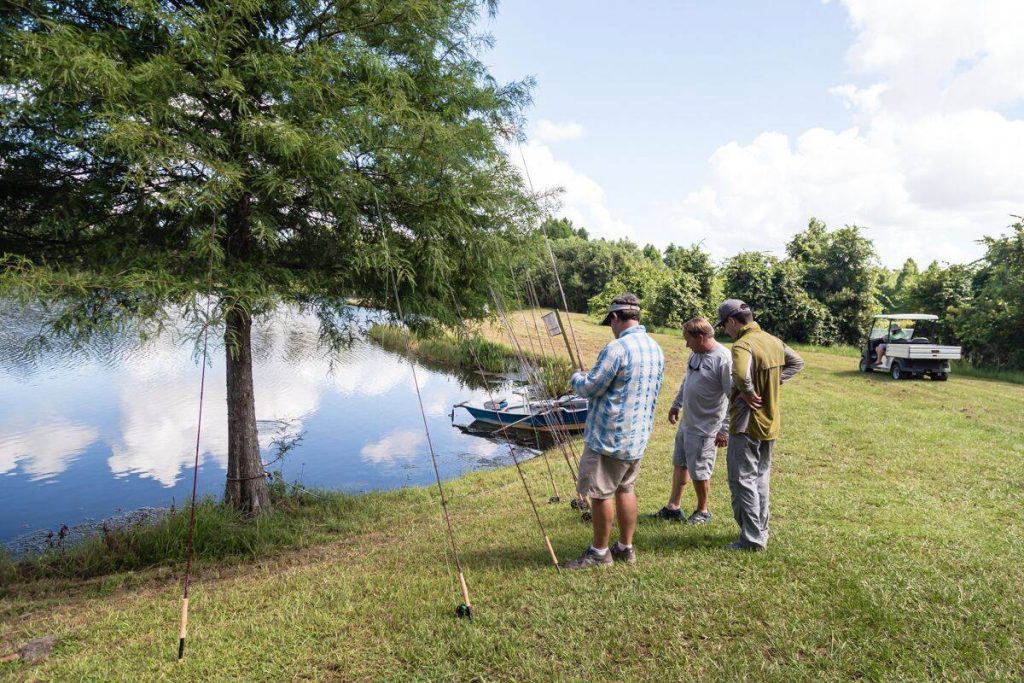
{"points": [[471, 353]]}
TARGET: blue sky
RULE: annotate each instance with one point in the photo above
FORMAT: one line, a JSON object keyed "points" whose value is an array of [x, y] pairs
{"points": [[732, 123]]}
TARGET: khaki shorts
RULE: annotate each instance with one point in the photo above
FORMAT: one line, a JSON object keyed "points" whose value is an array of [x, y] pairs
{"points": [[601, 476], [695, 452]]}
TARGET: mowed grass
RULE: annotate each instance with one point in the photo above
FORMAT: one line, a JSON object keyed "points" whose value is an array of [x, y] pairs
{"points": [[896, 554]]}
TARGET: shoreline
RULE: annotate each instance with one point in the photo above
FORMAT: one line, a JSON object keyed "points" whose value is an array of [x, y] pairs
{"points": [[35, 543]]}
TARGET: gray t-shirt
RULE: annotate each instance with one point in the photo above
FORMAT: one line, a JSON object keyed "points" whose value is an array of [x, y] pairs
{"points": [[703, 395]]}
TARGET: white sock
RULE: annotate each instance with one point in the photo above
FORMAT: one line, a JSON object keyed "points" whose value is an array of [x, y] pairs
{"points": [[600, 551], [623, 545]]}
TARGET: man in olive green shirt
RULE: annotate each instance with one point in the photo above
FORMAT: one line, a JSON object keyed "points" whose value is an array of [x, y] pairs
{"points": [[760, 364]]}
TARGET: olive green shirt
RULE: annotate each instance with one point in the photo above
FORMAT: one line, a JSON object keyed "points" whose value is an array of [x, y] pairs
{"points": [[760, 363]]}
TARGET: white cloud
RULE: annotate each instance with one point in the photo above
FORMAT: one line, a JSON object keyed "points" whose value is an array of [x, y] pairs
{"points": [[582, 200], [553, 131], [932, 164]]}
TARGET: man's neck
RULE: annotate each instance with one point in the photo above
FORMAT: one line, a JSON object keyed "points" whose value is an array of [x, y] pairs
{"points": [[626, 328]]}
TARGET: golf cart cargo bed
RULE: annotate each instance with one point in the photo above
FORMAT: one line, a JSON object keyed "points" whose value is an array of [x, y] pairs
{"points": [[923, 351]]}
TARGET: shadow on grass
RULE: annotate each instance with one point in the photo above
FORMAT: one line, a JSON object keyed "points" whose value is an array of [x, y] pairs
{"points": [[654, 538]]}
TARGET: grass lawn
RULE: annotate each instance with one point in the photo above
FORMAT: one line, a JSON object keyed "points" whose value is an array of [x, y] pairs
{"points": [[896, 554]]}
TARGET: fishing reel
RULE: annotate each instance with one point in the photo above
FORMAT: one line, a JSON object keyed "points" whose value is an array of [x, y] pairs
{"points": [[575, 504], [464, 611], [586, 516], [554, 499]]}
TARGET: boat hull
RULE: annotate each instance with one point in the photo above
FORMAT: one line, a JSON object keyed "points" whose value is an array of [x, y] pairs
{"points": [[574, 420]]}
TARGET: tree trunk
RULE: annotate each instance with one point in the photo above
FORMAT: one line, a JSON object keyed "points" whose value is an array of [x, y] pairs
{"points": [[246, 488]]}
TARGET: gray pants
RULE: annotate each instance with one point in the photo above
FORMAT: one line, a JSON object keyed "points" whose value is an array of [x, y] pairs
{"points": [[750, 467]]}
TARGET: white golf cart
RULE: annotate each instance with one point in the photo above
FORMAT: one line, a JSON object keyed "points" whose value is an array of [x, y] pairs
{"points": [[908, 350]]}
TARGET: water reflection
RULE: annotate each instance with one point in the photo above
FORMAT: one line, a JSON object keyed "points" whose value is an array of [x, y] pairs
{"points": [[401, 444], [113, 427], [44, 450]]}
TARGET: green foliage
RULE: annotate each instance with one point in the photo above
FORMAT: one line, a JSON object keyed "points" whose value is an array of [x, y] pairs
{"points": [[695, 261], [306, 150], [299, 518], [585, 267], [837, 268], [444, 348], [554, 374], [562, 228], [773, 290], [991, 328], [946, 292], [676, 299]]}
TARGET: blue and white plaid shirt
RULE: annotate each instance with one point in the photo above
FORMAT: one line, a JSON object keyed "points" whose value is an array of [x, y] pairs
{"points": [[622, 388]]}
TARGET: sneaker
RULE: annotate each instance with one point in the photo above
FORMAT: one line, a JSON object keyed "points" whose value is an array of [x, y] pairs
{"points": [[589, 559], [666, 513], [623, 554], [699, 517], [749, 547]]}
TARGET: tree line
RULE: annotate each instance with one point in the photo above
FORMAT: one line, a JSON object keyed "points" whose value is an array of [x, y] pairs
{"points": [[823, 291]]}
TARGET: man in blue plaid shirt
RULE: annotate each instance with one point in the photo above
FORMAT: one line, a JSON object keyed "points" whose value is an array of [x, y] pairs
{"points": [[623, 388]]}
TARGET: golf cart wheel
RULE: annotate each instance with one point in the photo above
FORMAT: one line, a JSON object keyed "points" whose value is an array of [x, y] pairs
{"points": [[864, 365], [897, 371], [940, 376]]}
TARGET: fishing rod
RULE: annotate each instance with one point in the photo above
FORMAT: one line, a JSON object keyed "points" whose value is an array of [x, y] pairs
{"points": [[186, 584], [535, 304], [554, 265], [508, 441], [540, 342], [579, 502], [465, 609], [560, 431]]}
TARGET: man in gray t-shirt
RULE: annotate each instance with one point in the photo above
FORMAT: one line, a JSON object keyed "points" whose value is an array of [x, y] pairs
{"points": [[703, 399]]}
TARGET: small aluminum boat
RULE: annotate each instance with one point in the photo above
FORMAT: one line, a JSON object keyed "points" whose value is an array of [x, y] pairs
{"points": [[567, 412]]}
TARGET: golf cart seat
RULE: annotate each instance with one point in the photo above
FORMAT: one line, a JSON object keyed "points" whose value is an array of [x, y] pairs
{"points": [[920, 340], [874, 349]]}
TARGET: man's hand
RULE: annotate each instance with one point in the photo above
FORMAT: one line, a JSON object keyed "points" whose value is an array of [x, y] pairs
{"points": [[673, 415], [751, 399], [721, 439]]}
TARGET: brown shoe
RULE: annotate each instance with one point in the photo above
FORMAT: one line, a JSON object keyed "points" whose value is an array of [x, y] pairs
{"points": [[589, 559]]}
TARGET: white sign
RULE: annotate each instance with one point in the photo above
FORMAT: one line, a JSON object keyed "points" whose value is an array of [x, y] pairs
{"points": [[551, 320]]}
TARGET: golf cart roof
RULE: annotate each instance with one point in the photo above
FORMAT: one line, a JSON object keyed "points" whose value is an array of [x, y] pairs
{"points": [[907, 316]]}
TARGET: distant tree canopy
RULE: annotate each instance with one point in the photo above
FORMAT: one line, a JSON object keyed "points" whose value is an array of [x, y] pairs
{"points": [[990, 325], [594, 271], [823, 291], [837, 268], [773, 290], [283, 151]]}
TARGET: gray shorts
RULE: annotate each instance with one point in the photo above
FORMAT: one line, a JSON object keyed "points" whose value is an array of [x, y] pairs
{"points": [[696, 453], [601, 476]]}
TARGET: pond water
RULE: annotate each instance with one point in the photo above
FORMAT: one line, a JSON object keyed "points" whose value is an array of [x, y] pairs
{"points": [[88, 434]]}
